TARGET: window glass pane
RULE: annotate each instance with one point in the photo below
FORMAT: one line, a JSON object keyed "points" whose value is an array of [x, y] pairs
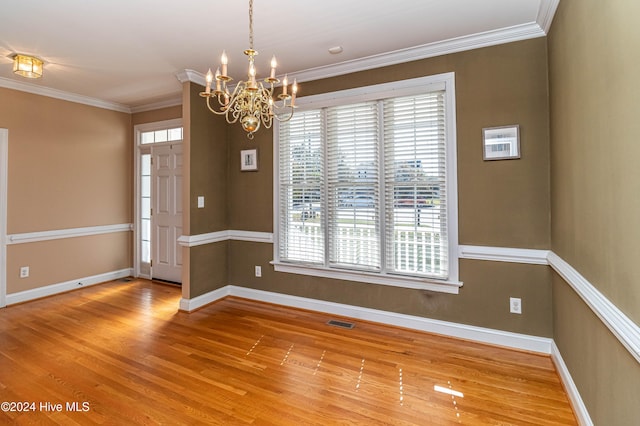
{"points": [[145, 252], [175, 134], [353, 187], [145, 229], [145, 165], [145, 186], [301, 188], [147, 137], [160, 136], [145, 208], [415, 185]]}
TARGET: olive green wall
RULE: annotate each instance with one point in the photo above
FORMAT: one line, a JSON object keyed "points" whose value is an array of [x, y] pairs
{"points": [[595, 202], [501, 203], [207, 171]]}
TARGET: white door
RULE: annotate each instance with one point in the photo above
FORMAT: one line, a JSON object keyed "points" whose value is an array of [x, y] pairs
{"points": [[166, 213]]}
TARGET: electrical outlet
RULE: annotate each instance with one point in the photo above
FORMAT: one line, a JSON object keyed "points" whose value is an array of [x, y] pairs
{"points": [[515, 305], [24, 272], [258, 271]]}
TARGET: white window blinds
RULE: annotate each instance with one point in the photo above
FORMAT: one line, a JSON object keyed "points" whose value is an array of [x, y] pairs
{"points": [[415, 182], [301, 180], [353, 186], [362, 187]]}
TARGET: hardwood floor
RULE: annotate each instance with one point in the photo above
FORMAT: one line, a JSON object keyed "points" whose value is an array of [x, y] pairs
{"points": [[124, 355]]}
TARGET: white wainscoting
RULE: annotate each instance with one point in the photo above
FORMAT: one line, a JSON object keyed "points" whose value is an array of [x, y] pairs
{"points": [[504, 254], [620, 325], [34, 237], [226, 235]]}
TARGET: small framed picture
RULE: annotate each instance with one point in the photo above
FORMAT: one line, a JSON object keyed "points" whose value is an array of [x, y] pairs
{"points": [[249, 160], [501, 143]]}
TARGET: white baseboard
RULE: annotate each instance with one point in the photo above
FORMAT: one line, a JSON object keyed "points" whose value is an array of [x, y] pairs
{"points": [[50, 290], [469, 332], [190, 305], [579, 409]]}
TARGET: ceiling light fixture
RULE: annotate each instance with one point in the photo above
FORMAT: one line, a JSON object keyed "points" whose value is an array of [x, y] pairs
{"points": [[27, 66], [250, 102]]}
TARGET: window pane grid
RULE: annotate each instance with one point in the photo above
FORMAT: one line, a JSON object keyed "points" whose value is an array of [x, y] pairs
{"points": [[145, 208], [163, 135]]}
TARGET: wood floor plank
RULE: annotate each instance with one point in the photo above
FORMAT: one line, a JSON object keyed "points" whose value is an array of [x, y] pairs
{"points": [[124, 350]]}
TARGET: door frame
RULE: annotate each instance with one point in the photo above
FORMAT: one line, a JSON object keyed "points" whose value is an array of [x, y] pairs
{"points": [[4, 176], [137, 153]]}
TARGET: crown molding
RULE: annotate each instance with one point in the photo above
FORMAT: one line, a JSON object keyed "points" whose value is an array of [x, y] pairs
{"points": [[546, 13], [539, 28], [62, 95], [174, 101], [192, 76], [459, 44]]}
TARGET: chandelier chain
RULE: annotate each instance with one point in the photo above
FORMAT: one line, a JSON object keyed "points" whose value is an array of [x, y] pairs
{"points": [[251, 24]]}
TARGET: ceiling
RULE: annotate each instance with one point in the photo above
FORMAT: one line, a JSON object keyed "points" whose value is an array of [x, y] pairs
{"points": [[130, 54]]}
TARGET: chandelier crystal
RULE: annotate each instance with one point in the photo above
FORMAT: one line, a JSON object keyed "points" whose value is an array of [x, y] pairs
{"points": [[251, 102]]}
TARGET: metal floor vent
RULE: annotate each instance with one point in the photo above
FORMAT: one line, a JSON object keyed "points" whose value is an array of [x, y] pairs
{"points": [[341, 324]]}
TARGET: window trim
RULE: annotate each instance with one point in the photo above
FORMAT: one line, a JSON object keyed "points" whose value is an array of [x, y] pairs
{"points": [[444, 81]]}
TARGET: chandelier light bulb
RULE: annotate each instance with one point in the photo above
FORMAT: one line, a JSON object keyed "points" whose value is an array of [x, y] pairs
{"points": [[209, 80], [274, 64], [224, 61]]}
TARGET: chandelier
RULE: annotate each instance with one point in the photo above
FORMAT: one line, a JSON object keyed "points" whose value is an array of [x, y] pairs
{"points": [[251, 102]]}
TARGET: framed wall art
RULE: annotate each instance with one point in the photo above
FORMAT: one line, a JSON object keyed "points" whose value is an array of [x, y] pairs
{"points": [[249, 160], [501, 143]]}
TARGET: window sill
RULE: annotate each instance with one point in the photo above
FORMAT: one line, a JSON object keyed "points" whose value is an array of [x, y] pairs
{"points": [[442, 286]]}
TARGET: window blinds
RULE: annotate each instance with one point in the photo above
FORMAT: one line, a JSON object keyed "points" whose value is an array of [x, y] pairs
{"points": [[301, 179], [415, 177], [363, 187], [353, 186]]}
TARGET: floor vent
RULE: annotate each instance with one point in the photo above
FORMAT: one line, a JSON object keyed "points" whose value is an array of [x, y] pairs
{"points": [[126, 280], [341, 324]]}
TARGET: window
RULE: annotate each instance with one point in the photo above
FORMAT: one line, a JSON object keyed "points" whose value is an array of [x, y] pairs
{"points": [[366, 186]]}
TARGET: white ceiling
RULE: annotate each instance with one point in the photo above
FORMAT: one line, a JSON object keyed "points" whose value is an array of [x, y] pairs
{"points": [[127, 53]]}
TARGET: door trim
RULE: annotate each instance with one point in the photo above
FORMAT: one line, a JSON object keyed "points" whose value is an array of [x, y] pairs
{"points": [[138, 129], [4, 175]]}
